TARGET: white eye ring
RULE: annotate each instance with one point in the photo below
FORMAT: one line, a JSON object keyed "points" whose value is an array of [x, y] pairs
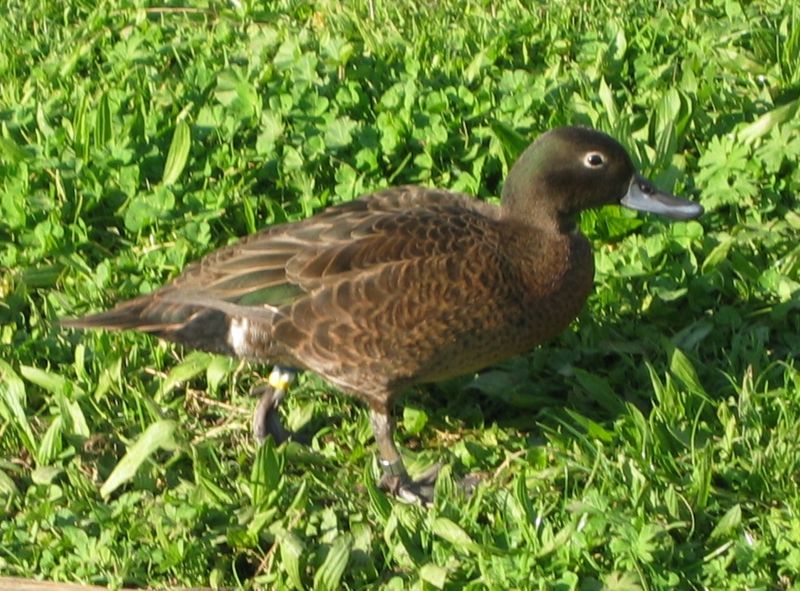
{"points": [[594, 160]]}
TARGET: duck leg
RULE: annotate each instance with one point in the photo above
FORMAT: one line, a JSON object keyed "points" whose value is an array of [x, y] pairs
{"points": [[395, 478], [265, 417]]}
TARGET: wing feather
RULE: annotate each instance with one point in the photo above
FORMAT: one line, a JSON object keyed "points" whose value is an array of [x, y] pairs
{"points": [[289, 281]]}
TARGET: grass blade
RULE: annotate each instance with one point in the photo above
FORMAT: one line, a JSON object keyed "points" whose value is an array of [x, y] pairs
{"points": [[159, 435]]}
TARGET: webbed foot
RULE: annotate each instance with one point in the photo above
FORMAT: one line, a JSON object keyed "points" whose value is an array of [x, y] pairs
{"points": [[396, 481]]}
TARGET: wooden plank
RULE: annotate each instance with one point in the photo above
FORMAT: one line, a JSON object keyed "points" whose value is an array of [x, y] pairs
{"points": [[18, 584]]}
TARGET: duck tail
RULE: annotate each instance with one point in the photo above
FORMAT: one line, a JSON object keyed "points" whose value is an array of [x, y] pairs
{"points": [[130, 315], [198, 322], [195, 326]]}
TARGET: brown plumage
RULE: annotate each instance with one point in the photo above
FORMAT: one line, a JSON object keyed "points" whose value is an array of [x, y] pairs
{"points": [[408, 285]]}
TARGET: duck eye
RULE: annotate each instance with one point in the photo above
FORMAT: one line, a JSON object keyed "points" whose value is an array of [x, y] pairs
{"points": [[594, 160]]}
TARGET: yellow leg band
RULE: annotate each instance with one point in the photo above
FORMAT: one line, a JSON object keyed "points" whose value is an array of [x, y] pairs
{"points": [[280, 378]]}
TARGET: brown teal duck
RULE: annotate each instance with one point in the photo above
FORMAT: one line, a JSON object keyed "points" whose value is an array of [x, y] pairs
{"points": [[405, 286]]}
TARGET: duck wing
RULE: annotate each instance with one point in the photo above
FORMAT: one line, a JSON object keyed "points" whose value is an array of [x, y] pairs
{"points": [[285, 277]]}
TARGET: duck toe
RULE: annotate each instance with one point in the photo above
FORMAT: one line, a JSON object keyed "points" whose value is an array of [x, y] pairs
{"points": [[421, 490], [417, 492]]}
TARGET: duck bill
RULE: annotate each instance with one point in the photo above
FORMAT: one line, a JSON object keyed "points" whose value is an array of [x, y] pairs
{"points": [[643, 195]]}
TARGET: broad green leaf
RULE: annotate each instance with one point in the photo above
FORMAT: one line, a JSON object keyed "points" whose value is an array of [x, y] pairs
{"points": [[727, 524], [609, 104], [46, 474], [44, 379], [512, 141], [271, 131], [337, 50], [682, 368], [13, 403], [178, 153], [593, 429], [249, 214], [339, 133], [558, 541], [77, 419], [218, 369], [666, 123], [444, 487], [102, 122], [621, 581], [288, 53], [433, 574], [195, 363], [266, 473], [424, 161], [702, 471], [414, 420], [766, 122], [478, 63], [7, 486], [50, 443], [378, 502], [236, 93], [11, 152], [718, 254], [452, 532], [602, 393], [291, 548], [793, 219], [80, 361], [147, 208], [80, 129], [159, 435], [330, 573]]}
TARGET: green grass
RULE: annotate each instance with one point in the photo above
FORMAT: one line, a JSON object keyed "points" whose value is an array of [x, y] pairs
{"points": [[654, 445]]}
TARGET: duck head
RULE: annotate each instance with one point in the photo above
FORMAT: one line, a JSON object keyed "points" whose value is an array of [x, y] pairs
{"points": [[569, 169]]}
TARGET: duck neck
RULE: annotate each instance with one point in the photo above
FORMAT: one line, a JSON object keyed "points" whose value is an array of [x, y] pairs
{"points": [[536, 194], [556, 271], [526, 206]]}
